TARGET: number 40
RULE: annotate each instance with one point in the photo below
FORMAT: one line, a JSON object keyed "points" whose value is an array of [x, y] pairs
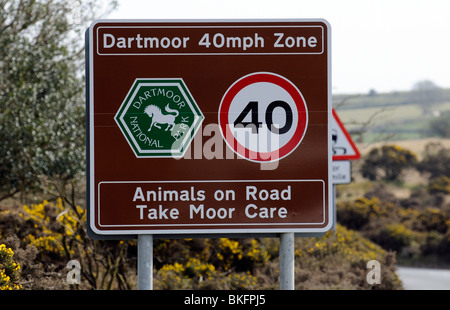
{"points": [[252, 107]]}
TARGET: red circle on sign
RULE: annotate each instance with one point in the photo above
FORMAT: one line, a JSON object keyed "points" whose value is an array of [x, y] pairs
{"points": [[301, 112]]}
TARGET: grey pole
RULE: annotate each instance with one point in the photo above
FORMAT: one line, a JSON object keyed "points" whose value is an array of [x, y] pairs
{"points": [[334, 209], [287, 261], [145, 262]]}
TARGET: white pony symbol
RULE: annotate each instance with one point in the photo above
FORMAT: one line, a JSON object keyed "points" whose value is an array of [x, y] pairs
{"points": [[159, 118]]}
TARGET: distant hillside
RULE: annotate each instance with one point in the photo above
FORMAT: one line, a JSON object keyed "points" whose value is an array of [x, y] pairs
{"points": [[375, 117]]}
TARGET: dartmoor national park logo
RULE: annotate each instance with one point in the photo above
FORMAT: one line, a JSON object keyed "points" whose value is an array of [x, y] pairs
{"points": [[159, 117]]}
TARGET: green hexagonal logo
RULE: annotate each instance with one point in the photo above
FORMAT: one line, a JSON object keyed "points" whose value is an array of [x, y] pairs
{"points": [[159, 117]]}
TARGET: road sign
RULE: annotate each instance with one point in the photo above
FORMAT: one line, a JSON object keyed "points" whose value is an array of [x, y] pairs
{"points": [[343, 146], [209, 127], [341, 172], [268, 106]]}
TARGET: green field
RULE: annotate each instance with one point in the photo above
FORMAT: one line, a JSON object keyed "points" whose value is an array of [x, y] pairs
{"points": [[389, 116]]}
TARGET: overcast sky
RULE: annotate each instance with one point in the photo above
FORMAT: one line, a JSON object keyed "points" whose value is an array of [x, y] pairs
{"points": [[385, 45]]}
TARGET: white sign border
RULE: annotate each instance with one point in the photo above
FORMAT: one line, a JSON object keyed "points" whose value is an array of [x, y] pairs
{"points": [[206, 230]]}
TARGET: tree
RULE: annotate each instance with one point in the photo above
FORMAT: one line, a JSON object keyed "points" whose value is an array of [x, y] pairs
{"points": [[372, 93], [42, 122], [426, 93], [387, 162], [441, 125], [42, 129]]}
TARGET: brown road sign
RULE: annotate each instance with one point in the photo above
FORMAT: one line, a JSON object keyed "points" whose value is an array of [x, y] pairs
{"points": [[209, 127]]}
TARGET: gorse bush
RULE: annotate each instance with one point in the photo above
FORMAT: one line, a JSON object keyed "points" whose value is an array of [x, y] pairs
{"points": [[221, 263], [387, 162], [394, 236], [411, 227], [435, 160], [9, 270], [358, 213], [54, 225], [348, 243], [440, 184], [335, 260], [338, 260], [46, 235], [49, 234], [434, 219]]}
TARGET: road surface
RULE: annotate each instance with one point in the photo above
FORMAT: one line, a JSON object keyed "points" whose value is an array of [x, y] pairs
{"points": [[424, 278]]}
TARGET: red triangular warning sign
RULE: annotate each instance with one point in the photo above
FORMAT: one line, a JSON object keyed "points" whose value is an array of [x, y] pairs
{"points": [[342, 144]]}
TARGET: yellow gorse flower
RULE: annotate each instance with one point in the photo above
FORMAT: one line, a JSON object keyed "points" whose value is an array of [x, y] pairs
{"points": [[44, 215], [9, 270]]}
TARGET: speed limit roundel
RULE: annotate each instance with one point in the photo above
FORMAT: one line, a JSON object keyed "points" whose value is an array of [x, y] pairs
{"points": [[263, 117]]}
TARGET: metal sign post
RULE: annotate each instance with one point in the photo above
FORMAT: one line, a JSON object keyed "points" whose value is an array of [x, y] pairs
{"points": [[287, 261], [145, 262]]}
